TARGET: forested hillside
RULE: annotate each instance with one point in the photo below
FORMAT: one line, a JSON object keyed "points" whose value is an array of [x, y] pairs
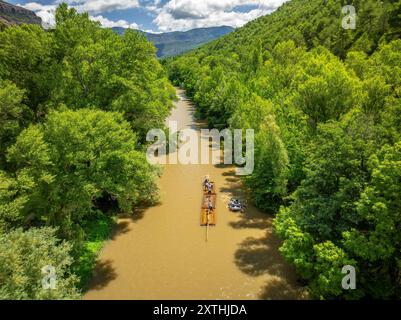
{"points": [[313, 23], [325, 103], [75, 106]]}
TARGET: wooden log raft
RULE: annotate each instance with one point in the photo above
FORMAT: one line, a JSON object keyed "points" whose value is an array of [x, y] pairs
{"points": [[206, 217]]}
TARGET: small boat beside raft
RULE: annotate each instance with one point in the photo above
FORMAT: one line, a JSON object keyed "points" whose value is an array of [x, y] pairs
{"points": [[208, 217]]}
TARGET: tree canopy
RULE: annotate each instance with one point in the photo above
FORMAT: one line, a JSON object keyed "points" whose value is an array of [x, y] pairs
{"points": [[325, 106], [76, 103]]}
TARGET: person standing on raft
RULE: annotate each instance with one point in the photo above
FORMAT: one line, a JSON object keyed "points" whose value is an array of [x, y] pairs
{"points": [[206, 182], [210, 207]]}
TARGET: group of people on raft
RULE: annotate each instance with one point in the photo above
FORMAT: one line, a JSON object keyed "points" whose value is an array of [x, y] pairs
{"points": [[234, 205], [208, 186]]}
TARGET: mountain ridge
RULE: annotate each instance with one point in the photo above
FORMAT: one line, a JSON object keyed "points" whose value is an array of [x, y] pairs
{"points": [[11, 15], [178, 42]]}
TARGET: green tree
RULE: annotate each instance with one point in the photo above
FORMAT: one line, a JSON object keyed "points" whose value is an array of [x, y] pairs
{"points": [[23, 255], [269, 180], [25, 60], [13, 115], [379, 211], [112, 72], [14, 195], [325, 90], [73, 165]]}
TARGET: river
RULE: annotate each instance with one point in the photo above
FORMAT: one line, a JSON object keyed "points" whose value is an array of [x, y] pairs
{"points": [[162, 253]]}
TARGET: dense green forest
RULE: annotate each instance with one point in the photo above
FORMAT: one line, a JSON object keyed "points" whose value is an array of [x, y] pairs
{"points": [[75, 106], [325, 103]]}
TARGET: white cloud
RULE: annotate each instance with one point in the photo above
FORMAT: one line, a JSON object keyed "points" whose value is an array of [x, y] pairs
{"points": [[188, 14], [110, 24], [47, 12], [175, 15], [99, 6]]}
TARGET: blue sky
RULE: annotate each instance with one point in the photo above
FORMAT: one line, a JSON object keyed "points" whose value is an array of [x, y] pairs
{"points": [[160, 15]]}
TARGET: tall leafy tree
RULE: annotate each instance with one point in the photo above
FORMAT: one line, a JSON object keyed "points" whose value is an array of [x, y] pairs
{"points": [[74, 165], [14, 115], [24, 259]]}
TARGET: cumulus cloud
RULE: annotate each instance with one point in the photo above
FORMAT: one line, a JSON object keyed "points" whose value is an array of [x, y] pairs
{"points": [[171, 15], [99, 6], [111, 24], [47, 12], [188, 14]]}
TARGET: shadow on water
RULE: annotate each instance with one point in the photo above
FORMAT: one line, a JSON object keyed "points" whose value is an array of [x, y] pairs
{"points": [[261, 256], [125, 219], [251, 221], [252, 218], [226, 166], [121, 228], [182, 96], [137, 215], [103, 273], [254, 257], [230, 173], [258, 257], [280, 289]]}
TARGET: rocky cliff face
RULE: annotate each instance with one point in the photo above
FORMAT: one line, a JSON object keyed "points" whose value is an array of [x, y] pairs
{"points": [[10, 14]]}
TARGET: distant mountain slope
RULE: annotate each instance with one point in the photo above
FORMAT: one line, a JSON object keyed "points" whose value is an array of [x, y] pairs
{"points": [[174, 43], [10, 14]]}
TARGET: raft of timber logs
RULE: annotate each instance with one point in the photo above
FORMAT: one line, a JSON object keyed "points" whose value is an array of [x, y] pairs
{"points": [[209, 219]]}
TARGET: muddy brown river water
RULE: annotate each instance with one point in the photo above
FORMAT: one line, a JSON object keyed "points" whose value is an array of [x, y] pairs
{"points": [[162, 253]]}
